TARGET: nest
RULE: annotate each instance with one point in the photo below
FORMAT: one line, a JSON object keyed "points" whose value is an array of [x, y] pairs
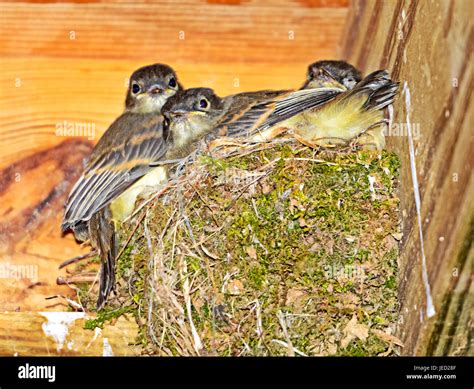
{"points": [[266, 249]]}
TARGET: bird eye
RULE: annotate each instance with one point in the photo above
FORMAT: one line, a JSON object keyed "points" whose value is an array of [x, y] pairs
{"points": [[349, 82], [172, 82], [203, 104], [136, 88]]}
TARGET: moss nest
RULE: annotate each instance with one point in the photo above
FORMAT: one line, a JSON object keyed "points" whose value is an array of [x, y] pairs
{"points": [[272, 249]]}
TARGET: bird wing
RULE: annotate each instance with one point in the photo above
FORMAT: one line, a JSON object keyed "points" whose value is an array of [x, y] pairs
{"points": [[250, 113], [296, 102], [362, 106], [379, 88], [244, 111], [120, 158]]}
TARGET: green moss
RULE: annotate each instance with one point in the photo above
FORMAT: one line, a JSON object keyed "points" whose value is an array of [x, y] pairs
{"points": [[358, 348], [391, 282], [124, 262], [271, 235], [106, 315]]}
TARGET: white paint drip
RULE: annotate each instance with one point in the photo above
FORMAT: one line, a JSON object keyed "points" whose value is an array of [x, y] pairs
{"points": [[97, 332], [58, 324], [107, 349], [430, 309]]}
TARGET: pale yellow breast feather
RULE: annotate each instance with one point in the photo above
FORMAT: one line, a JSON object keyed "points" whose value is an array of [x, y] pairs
{"points": [[123, 206]]}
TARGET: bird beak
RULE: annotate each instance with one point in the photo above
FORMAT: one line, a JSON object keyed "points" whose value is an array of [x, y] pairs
{"points": [[177, 113], [155, 89], [183, 114]]}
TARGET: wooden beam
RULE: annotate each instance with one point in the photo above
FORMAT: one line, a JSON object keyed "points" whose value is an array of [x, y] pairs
{"points": [[428, 46], [63, 333]]}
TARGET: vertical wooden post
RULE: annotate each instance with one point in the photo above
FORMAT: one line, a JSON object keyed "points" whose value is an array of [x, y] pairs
{"points": [[428, 46]]}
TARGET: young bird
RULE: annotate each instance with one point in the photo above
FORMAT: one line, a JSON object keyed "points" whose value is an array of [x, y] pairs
{"points": [[332, 74], [340, 74], [240, 115], [319, 116], [357, 112], [119, 170], [190, 116]]}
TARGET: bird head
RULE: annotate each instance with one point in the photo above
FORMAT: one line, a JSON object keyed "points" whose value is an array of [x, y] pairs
{"points": [[150, 87], [191, 114], [330, 74]]}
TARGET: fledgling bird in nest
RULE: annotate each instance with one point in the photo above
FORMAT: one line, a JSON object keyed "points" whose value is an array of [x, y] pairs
{"points": [[340, 74], [321, 116], [253, 116], [332, 74], [118, 170]]}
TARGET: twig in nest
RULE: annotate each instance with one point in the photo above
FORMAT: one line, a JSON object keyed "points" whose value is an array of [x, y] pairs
{"points": [[187, 298], [77, 259], [243, 149], [208, 253], [168, 223], [73, 303], [281, 343], [206, 261], [282, 321], [258, 313], [77, 279], [148, 237], [205, 203], [35, 284]]}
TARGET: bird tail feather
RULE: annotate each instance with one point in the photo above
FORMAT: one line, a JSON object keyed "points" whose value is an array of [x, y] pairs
{"points": [[104, 238]]}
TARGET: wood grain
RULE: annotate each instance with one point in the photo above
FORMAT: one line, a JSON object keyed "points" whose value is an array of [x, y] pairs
{"points": [[66, 64], [27, 335], [429, 46]]}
